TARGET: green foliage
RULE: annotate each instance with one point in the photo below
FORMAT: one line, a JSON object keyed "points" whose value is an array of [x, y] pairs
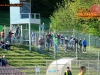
{"points": [[94, 27], [65, 18]]}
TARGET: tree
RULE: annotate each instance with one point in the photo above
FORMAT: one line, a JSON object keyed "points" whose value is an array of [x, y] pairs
{"points": [[65, 17]]}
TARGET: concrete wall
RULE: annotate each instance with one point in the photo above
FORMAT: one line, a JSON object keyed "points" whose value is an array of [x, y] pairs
{"points": [[14, 11]]}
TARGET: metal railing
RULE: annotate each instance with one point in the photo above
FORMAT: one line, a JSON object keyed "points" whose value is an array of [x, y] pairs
{"points": [[30, 15]]}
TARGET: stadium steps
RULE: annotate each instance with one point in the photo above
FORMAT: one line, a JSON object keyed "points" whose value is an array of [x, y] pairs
{"points": [[10, 71]]}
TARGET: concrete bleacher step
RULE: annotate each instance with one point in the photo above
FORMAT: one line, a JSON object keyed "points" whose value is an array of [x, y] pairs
{"points": [[12, 74], [10, 71]]}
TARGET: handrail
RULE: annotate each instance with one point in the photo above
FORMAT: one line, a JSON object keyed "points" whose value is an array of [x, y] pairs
{"points": [[29, 15]]}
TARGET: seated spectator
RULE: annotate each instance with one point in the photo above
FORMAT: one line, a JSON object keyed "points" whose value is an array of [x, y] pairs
{"points": [[7, 45], [41, 43], [2, 45], [4, 61]]}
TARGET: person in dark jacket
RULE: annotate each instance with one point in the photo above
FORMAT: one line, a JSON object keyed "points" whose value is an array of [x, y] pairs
{"points": [[80, 44], [76, 43], [4, 61], [66, 43], [84, 45], [48, 42], [61, 40], [41, 43], [68, 72]]}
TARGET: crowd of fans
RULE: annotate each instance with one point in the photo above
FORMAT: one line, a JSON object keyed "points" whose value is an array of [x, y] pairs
{"points": [[5, 44], [50, 40], [66, 42]]}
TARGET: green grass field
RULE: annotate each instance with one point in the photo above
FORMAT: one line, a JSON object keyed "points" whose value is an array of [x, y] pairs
{"points": [[21, 52], [21, 57]]}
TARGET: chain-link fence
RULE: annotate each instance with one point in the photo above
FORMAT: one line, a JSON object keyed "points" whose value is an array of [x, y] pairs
{"points": [[24, 32], [92, 40]]}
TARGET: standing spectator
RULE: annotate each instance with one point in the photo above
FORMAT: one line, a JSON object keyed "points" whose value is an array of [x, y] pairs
{"points": [[58, 36], [4, 61], [43, 41], [50, 37], [80, 44], [66, 43], [18, 31], [43, 28], [2, 36], [68, 72], [61, 40], [53, 36], [72, 43], [41, 44], [84, 45], [47, 34], [76, 43], [56, 44], [82, 70], [10, 37], [33, 34], [48, 43]]}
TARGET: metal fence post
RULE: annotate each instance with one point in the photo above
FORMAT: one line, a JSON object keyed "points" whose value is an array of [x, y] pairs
{"points": [[76, 53], [73, 33], [39, 69], [88, 67], [12, 72], [79, 64], [21, 34], [98, 63], [54, 47], [46, 64], [89, 42], [56, 68], [35, 41], [24, 73], [35, 70]]}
